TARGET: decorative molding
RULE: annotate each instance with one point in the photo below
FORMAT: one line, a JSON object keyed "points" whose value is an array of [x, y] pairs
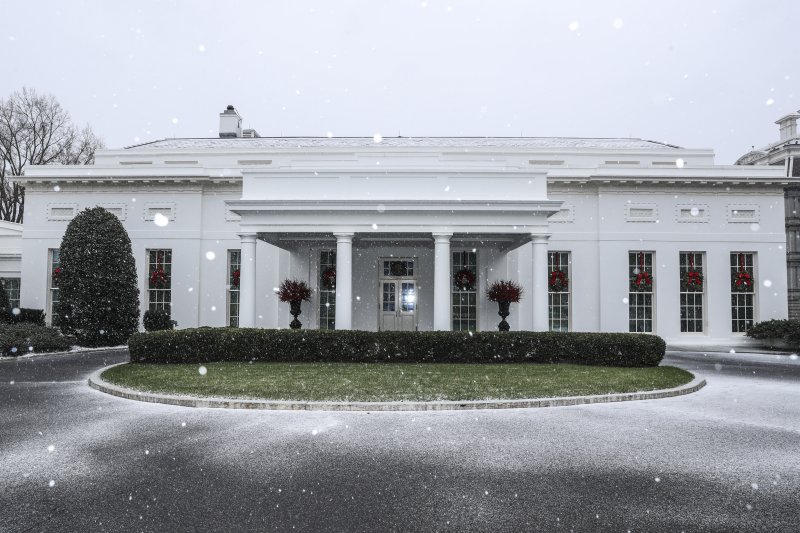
{"points": [[692, 213], [741, 213], [61, 211], [117, 209], [641, 212], [151, 209]]}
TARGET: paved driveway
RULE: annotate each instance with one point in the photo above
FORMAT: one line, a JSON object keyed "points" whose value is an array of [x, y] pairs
{"points": [[724, 459]]}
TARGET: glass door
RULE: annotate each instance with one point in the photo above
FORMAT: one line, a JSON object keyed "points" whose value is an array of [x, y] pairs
{"points": [[398, 305]]}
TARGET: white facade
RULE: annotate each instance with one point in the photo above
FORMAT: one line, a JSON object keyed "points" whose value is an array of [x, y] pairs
{"points": [[506, 203]]}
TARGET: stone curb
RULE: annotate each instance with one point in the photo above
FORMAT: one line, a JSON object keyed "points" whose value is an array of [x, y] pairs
{"points": [[96, 382]]}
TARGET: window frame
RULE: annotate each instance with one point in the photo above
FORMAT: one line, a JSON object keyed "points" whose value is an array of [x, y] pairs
{"points": [[635, 296], [564, 264], [166, 263]]}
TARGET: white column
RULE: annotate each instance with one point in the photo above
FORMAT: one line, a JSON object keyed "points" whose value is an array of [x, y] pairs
{"points": [[247, 281], [344, 280], [441, 281], [539, 285]]}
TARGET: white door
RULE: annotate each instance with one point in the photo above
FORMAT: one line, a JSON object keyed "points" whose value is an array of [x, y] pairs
{"points": [[398, 305]]}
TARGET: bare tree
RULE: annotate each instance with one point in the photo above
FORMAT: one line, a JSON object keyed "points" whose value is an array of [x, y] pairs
{"points": [[36, 130]]}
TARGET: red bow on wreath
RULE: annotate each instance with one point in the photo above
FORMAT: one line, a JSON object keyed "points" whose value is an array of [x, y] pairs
{"points": [[465, 279], [235, 278], [558, 278], [743, 280], [329, 278], [642, 280], [693, 277], [57, 272], [158, 277]]}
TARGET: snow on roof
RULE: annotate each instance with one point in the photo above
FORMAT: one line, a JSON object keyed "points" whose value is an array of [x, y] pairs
{"points": [[410, 142]]}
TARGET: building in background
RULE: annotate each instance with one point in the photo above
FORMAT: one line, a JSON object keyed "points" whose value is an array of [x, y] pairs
{"points": [[785, 154], [406, 233]]}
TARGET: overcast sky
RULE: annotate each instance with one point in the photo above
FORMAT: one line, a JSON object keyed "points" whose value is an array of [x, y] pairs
{"points": [[701, 74]]}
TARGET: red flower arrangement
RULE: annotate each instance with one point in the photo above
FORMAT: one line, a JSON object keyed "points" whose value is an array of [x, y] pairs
{"points": [[504, 291], [159, 277], [329, 278], [292, 290], [641, 281], [235, 278], [465, 279]]}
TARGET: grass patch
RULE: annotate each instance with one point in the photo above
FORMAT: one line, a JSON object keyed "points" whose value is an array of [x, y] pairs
{"points": [[391, 382]]}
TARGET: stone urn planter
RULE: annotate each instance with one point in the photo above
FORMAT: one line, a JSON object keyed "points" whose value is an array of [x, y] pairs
{"points": [[503, 312], [294, 292], [504, 293], [294, 309]]}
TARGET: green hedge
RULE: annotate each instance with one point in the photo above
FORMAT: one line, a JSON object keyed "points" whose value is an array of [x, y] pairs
{"points": [[206, 345], [787, 330], [18, 339], [22, 315]]}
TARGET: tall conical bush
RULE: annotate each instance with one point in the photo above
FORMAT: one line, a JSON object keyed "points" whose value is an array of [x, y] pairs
{"points": [[99, 297]]}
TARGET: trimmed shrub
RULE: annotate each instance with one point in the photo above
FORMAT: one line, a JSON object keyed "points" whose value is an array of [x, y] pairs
{"points": [[19, 339], [99, 299], [787, 330], [158, 320], [28, 316], [206, 345]]}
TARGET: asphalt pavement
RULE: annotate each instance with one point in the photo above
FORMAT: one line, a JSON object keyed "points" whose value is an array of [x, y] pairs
{"points": [[725, 459]]}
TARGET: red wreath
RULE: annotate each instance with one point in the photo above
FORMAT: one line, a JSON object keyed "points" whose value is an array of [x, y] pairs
{"points": [[329, 278], [158, 277], [465, 279], [692, 279], [742, 281], [643, 280], [235, 278], [558, 281], [56, 273]]}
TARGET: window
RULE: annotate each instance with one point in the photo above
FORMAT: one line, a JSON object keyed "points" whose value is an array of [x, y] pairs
{"points": [[327, 289], [234, 269], [743, 286], [11, 286], [692, 291], [640, 293], [159, 280], [54, 258], [558, 284], [464, 290], [398, 268]]}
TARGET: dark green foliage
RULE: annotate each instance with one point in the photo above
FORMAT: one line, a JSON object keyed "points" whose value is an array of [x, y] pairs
{"points": [[205, 345], [158, 320], [99, 297], [27, 316], [786, 330], [18, 339]]}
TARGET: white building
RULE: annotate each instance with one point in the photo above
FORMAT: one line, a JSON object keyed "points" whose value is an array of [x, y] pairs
{"points": [[785, 154], [229, 218]]}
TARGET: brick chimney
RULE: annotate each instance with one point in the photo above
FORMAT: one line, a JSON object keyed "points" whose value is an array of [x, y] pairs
{"points": [[230, 123]]}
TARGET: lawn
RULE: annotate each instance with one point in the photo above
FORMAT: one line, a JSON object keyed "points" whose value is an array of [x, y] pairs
{"points": [[391, 382]]}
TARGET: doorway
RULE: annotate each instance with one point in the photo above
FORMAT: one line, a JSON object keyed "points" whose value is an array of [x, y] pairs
{"points": [[397, 294]]}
